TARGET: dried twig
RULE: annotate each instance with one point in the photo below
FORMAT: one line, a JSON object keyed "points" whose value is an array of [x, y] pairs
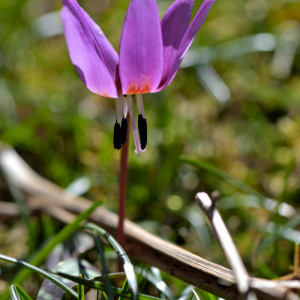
{"points": [[227, 244], [143, 246]]}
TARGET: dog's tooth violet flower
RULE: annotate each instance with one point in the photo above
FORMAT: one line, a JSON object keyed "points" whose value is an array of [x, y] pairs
{"points": [[150, 55]]}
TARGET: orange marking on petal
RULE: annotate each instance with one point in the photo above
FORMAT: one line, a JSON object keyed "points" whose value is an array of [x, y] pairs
{"points": [[139, 88], [103, 94]]}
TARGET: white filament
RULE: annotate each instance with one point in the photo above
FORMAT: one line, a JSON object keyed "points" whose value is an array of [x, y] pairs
{"points": [[125, 107], [140, 104], [119, 106]]}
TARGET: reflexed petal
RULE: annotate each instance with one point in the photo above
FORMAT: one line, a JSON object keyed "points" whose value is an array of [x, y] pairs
{"points": [[189, 37], [103, 47], [93, 57], [141, 50], [174, 25]]}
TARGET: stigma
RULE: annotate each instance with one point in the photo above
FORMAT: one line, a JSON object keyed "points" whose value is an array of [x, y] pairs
{"points": [[124, 107]]}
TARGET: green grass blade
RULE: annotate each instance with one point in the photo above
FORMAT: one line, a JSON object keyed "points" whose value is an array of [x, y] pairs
{"points": [[243, 187], [14, 293], [187, 293], [80, 290], [103, 263], [156, 273], [159, 284], [39, 271], [125, 288], [42, 254], [191, 295], [142, 280], [102, 287], [205, 295], [22, 293], [98, 278], [128, 268]]}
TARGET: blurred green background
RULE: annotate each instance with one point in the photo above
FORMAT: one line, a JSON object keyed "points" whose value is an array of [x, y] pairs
{"points": [[234, 104]]}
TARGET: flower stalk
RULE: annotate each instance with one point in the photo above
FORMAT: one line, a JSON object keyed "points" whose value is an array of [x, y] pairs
{"points": [[122, 193]]}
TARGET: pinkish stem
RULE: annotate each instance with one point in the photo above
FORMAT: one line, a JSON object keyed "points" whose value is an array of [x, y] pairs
{"points": [[122, 193]]}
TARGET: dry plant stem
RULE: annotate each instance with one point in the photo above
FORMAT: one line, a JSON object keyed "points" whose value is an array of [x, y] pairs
{"points": [[44, 196], [226, 242], [122, 193]]}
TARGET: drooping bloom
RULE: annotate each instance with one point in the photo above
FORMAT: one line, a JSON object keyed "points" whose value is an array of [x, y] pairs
{"points": [[149, 56]]}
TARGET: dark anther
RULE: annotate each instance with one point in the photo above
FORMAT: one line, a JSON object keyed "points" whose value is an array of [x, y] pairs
{"points": [[123, 131], [117, 136], [143, 131]]}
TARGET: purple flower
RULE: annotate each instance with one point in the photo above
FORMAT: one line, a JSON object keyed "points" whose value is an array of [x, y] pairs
{"points": [[150, 55]]}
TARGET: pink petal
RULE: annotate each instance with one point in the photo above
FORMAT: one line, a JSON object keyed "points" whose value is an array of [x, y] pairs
{"points": [[141, 50], [92, 55], [188, 38], [174, 25]]}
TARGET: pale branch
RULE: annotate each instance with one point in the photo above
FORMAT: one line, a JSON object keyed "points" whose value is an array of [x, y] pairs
{"points": [[143, 246], [227, 244]]}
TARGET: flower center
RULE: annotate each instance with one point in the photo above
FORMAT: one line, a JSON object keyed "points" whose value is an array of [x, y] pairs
{"points": [[124, 104], [120, 131]]}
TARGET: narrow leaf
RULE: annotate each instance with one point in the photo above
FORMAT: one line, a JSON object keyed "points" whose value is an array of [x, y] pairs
{"points": [[22, 293], [42, 254], [128, 268], [205, 295], [72, 266], [80, 290], [39, 271], [103, 263], [159, 284], [14, 293], [187, 293], [125, 288], [102, 287]]}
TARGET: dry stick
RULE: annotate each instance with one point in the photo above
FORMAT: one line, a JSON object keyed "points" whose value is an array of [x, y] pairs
{"points": [[122, 192], [227, 244], [141, 245], [10, 210]]}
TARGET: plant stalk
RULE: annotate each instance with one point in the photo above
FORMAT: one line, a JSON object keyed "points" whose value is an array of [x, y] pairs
{"points": [[122, 192]]}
